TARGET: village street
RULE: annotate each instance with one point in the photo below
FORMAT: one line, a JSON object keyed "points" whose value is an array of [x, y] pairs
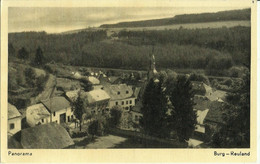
{"points": [[101, 142]]}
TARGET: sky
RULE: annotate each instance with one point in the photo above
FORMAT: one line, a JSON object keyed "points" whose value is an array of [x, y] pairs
{"points": [[55, 20]]}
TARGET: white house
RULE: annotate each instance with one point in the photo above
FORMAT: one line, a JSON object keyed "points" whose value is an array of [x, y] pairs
{"points": [[14, 119], [122, 95], [60, 110], [37, 114]]}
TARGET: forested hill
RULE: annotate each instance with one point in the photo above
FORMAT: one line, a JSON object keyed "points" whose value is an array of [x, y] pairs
{"points": [[187, 18]]}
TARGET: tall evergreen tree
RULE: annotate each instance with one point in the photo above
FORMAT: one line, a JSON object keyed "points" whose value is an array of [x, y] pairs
{"points": [[183, 117], [235, 131], [38, 56], [154, 110], [78, 110]]}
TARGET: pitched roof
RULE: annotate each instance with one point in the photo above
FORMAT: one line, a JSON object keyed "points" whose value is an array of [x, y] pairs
{"points": [[73, 95], [96, 96], [38, 111], [56, 103], [93, 80], [45, 136], [216, 95], [113, 79], [13, 112], [119, 91], [201, 116], [137, 91]]}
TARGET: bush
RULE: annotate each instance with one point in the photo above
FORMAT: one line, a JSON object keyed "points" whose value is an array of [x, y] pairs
{"points": [[93, 128], [199, 77], [116, 114]]}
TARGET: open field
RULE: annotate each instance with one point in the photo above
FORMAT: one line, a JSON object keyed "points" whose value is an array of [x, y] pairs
{"points": [[186, 26], [219, 24]]}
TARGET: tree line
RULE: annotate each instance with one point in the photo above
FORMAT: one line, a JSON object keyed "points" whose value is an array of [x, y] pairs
{"points": [[187, 18]]}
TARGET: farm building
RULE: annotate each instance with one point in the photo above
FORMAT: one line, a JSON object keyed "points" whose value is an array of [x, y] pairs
{"points": [[46, 136], [122, 95], [72, 95], [37, 114], [96, 101], [14, 119], [60, 109]]}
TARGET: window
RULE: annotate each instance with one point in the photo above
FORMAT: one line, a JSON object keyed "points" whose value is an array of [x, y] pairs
{"points": [[12, 126], [130, 102], [127, 108], [118, 93], [56, 121], [42, 120], [116, 103], [54, 113], [68, 118], [126, 102], [127, 92], [122, 102]]}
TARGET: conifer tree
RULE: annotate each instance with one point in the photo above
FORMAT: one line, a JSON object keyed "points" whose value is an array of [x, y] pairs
{"points": [[154, 110], [183, 117], [235, 130], [78, 110]]}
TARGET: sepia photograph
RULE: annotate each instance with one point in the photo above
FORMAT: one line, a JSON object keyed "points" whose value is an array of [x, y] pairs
{"points": [[124, 77], [128, 78]]}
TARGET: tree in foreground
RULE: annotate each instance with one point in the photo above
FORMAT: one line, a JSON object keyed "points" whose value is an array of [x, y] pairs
{"points": [[235, 131], [115, 114], [183, 118], [154, 119], [79, 110]]}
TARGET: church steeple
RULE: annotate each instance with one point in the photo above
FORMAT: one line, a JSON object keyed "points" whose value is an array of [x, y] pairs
{"points": [[152, 70]]}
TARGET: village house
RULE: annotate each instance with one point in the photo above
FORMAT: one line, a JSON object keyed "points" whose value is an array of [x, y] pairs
{"points": [[96, 101], [14, 119], [72, 95], [46, 136], [121, 95], [93, 80], [60, 110], [37, 114]]}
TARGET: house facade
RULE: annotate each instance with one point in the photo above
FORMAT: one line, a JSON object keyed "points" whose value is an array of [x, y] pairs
{"points": [[122, 95], [14, 119], [59, 109], [37, 114]]}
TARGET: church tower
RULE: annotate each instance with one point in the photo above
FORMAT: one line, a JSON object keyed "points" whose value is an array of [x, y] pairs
{"points": [[152, 70]]}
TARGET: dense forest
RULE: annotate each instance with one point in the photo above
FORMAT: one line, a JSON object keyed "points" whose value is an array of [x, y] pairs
{"points": [[210, 49], [187, 18], [235, 40]]}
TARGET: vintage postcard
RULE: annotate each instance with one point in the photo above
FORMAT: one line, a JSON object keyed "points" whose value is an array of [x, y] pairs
{"points": [[128, 81]]}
